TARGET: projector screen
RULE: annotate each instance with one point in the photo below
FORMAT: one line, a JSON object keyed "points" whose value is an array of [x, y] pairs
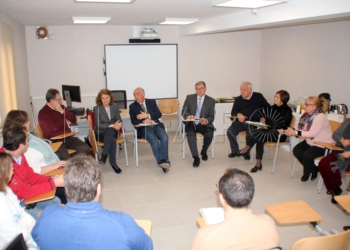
{"points": [[152, 67]]}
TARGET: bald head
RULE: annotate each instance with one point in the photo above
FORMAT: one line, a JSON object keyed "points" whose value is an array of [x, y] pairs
{"points": [[139, 95], [246, 89]]}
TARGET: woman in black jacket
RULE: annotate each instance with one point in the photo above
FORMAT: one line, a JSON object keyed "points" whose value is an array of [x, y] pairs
{"points": [[278, 117]]}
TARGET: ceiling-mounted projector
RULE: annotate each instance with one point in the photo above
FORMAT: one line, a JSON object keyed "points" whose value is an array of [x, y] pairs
{"points": [[148, 33]]}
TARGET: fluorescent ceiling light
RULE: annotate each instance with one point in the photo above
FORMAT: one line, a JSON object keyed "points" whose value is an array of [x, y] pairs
{"points": [[91, 20], [104, 1], [178, 21], [250, 4]]}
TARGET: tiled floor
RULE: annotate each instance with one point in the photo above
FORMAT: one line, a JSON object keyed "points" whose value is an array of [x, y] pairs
{"points": [[172, 201]]}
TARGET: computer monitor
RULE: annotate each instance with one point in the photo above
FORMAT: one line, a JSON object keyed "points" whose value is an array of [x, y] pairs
{"points": [[74, 92]]}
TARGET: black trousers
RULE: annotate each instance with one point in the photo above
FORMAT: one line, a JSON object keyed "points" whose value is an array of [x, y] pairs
{"points": [[72, 143], [306, 155], [207, 133], [233, 131], [108, 137]]}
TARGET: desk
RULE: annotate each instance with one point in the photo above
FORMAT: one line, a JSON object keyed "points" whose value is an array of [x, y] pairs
{"points": [[55, 172], [145, 225], [201, 222], [55, 145], [293, 212], [344, 201], [58, 137], [41, 197]]}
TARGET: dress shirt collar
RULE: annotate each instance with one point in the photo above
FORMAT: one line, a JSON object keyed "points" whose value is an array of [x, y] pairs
{"points": [[18, 160], [200, 97]]}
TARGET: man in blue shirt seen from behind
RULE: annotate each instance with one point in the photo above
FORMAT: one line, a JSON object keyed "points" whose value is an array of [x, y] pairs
{"points": [[83, 223]]}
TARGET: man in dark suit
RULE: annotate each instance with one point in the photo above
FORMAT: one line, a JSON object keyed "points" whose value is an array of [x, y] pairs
{"points": [[201, 108], [243, 108], [146, 111]]}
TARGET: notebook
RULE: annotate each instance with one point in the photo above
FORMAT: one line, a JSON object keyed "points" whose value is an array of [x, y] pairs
{"points": [[213, 215]]}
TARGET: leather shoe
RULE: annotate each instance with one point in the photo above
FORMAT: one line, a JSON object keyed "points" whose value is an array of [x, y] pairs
{"points": [[305, 177], [338, 191], [116, 169], [204, 156], [234, 154], [196, 161], [333, 200], [103, 159], [314, 174], [255, 169], [346, 228], [245, 155], [165, 165], [231, 155]]}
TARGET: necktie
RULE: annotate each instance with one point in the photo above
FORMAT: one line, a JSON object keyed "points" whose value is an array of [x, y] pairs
{"points": [[145, 110], [198, 112]]}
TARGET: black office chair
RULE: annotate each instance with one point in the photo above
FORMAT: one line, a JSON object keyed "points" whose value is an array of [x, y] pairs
{"points": [[120, 98]]}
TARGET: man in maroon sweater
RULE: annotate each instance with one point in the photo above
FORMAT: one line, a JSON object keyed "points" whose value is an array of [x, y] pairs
{"points": [[25, 183], [55, 119]]}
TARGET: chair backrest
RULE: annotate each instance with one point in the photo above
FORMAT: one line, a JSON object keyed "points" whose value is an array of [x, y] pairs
{"points": [[39, 131], [334, 125], [292, 122], [120, 98], [91, 120], [169, 106], [93, 142], [334, 241]]}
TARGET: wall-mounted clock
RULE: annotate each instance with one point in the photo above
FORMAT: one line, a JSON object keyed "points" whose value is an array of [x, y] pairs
{"points": [[41, 32]]}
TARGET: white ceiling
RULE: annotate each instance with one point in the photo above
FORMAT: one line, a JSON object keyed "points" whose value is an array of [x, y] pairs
{"points": [[140, 12], [149, 12]]}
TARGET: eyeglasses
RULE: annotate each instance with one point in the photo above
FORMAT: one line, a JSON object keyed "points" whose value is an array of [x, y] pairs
{"points": [[308, 104], [217, 185], [60, 99], [199, 88], [276, 97]]}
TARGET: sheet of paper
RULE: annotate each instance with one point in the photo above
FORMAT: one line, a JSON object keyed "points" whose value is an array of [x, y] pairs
{"points": [[190, 120], [257, 124], [213, 215], [145, 124]]}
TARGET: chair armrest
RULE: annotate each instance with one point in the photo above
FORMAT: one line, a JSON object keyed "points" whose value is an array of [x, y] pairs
{"points": [[58, 137], [328, 146]]}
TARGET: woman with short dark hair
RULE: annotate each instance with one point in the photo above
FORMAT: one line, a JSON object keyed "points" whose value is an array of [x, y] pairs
{"points": [[280, 119], [107, 125]]}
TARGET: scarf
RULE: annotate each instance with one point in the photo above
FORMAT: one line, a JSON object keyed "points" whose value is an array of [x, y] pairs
{"points": [[306, 120]]}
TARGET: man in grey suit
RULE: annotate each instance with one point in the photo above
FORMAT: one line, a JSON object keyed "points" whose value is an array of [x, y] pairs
{"points": [[200, 108]]}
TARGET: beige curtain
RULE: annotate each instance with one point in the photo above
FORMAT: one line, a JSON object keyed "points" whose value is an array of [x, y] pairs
{"points": [[8, 93]]}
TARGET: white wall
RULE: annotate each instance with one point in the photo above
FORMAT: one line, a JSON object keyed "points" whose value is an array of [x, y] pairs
{"points": [[223, 61], [307, 60]]}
